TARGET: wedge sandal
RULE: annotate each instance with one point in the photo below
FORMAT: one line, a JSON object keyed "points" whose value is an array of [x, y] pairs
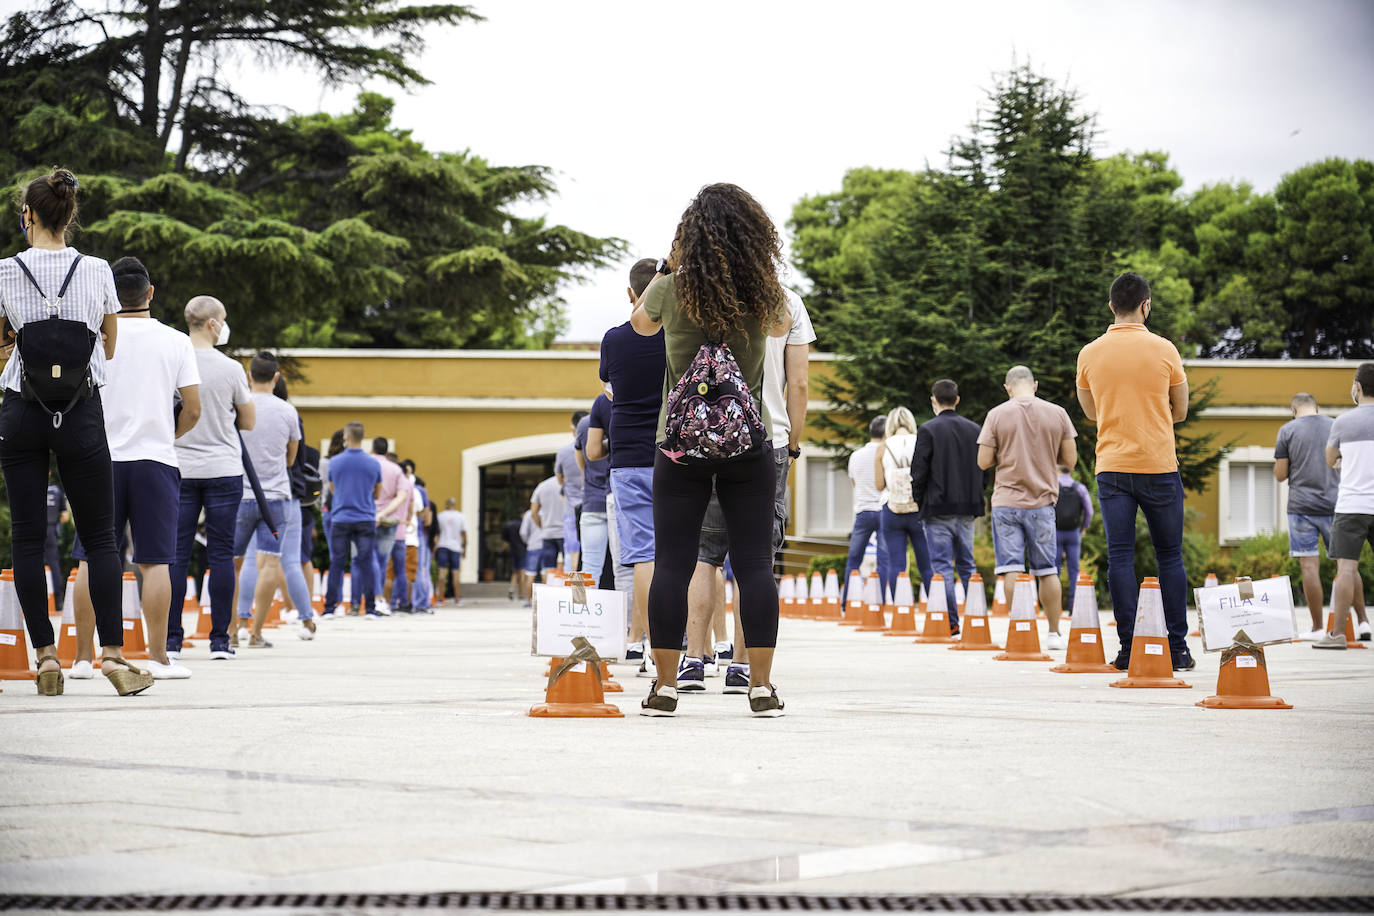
{"points": [[50, 681], [127, 679]]}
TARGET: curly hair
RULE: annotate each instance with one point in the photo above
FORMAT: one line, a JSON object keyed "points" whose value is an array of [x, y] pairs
{"points": [[725, 259]]}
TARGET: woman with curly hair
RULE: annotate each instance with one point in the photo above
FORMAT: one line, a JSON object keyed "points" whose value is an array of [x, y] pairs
{"points": [[718, 285]]}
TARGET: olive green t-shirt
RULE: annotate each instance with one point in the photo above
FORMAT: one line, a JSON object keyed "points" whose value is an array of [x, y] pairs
{"points": [[682, 338]]}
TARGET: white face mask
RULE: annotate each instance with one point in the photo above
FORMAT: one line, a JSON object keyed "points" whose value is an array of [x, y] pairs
{"points": [[223, 337]]}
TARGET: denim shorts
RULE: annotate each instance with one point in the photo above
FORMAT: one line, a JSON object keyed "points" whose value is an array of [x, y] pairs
{"points": [[532, 557], [1024, 535], [447, 558], [634, 513], [251, 524], [1304, 531]]}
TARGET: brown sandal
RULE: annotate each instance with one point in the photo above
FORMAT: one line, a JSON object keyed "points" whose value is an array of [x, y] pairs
{"points": [[127, 679], [50, 681]]}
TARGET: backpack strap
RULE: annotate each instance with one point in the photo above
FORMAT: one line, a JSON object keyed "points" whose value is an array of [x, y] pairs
{"points": [[71, 271]]}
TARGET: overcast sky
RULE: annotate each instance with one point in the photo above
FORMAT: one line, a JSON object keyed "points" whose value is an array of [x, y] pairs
{"points": [[637, 104]]}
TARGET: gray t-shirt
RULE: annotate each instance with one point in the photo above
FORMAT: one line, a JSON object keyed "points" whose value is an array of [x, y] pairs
{"points": [[1352, 434], [565, 463], [211, 448], [276, 426], [550, 500], [1312, 483]]}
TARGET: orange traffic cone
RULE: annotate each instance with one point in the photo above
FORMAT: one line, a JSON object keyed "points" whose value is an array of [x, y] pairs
{"points": [[1243, 682], [874, 620], [67, 644], [999, 599], [14, 648], [1151, 662], [1209, 582], [204, 622], [854, 600], [787, 597], [1023, 636], [923, 598], [52, 597], [960, 598], [832, 597], [903, 609], [815, 600], [974, 633], [135, 642], [802, 609], [1350, 641], [575, 689], [936, 628], [1085, 655]]}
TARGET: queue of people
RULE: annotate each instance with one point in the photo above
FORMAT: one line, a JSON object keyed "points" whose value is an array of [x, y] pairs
{"points": [[675, 477]]}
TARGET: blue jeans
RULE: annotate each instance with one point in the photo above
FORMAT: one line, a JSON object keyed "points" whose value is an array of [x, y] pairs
{"points": [[381, 556], [1066, 547], [400, 585], [291, 560], [219, 497], [422, 589], [1160, 497], [895, 530], [595, 536], [865, 523], [343, 537], [951, 547]]}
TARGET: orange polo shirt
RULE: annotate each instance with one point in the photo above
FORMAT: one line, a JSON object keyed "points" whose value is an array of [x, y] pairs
{"points": [[1129, 372]]}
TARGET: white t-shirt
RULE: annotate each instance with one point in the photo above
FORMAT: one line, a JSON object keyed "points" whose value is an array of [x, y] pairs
{"points": [[413, 526], [902, 445], [1353, 436], [774, 367], [866, 495], [151, 362], [451, 528]]}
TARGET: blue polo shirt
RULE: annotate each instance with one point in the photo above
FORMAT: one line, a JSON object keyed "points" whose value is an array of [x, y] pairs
{"points": [[354, 475]]}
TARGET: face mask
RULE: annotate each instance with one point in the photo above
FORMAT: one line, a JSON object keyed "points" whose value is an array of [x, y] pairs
{"points": [[223, 337]]}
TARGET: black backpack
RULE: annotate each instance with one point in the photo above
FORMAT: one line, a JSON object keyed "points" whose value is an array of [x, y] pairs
{"points": [[306, 483], [1068, 509], [56, 354]]}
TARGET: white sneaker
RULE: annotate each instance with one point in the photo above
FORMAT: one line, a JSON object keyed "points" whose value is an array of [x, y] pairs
{"points": [[383, 607], [646, 667], [81, 671], [307, 630], [1312, 635], [174, 654], [1054, 641], [161, 672], [1363, 632]]}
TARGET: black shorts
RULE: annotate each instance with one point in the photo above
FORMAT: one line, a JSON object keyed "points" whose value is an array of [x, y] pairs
{"points": [[1349, 532]]}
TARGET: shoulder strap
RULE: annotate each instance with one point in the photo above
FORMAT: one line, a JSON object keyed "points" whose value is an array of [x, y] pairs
{"points": [[71, 271], [25, 268]]}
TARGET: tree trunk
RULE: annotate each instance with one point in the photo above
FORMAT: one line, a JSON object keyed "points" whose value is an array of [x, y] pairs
{"points": [[154, 39], [178, 84]]}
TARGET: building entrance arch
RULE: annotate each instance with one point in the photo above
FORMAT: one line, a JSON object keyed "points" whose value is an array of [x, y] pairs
{"points": [[473, 461]]}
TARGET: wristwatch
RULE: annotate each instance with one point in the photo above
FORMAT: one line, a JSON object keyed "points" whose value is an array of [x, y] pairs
{"points": [[794, 452], [662, 266]]}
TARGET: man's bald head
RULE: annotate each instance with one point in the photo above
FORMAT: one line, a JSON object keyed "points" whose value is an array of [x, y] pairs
{"points": [[1020, 382], [203, 309], [1019, 374]]}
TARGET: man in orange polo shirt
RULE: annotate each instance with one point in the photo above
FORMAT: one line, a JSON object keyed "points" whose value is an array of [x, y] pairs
{"points": [[1132, 383]]}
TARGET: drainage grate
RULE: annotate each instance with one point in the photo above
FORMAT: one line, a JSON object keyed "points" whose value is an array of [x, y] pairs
{"points": [[515, 902]]}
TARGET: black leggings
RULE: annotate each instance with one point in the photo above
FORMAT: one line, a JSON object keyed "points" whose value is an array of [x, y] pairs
{"points": [[83, 462], [681, 492]]}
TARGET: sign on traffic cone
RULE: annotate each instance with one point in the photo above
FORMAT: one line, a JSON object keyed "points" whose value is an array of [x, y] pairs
{"points": [[14, 648], [815, 604], [999, 598], [1085, 655], [1243, 682], [975, 635], [67, 643], [936, 627], [903, 609], [787, 597], [874, 618], [574, 690], [832, 596], [1023, 636], [1151, 662], [135, 642]]}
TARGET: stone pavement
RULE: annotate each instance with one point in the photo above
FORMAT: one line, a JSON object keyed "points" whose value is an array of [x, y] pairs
{"points": [[395, 755]]}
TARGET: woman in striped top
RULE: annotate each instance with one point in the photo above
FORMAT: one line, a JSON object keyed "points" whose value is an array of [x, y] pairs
{"points": [[52, 280]]}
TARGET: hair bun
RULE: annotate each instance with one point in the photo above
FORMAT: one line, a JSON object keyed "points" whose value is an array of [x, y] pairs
{"points": [[63, 182]]}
